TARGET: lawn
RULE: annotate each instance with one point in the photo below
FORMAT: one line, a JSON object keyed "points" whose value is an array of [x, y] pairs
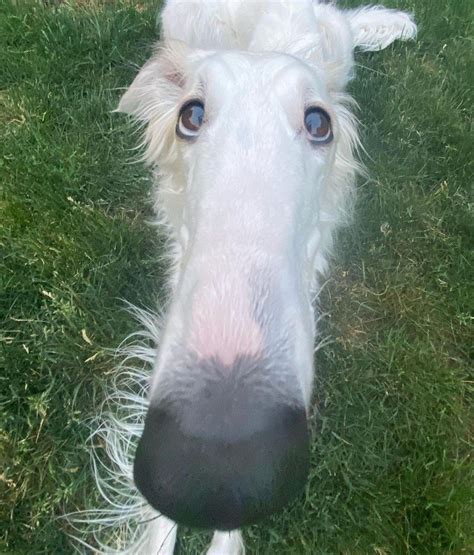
{"points": [[390, 470]]}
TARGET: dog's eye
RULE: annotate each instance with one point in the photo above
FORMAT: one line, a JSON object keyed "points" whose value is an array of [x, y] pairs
{"points": [[318, 125], [190, 119]]}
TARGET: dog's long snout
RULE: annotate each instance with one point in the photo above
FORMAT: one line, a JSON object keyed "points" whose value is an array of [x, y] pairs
{"points": [[230, 455]]}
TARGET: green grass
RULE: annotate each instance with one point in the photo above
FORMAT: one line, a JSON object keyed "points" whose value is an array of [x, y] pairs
{"points": [[390, 469]]}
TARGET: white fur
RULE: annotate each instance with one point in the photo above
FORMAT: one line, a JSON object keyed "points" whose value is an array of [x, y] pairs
{"points": [[376, 27], [250, 206], [226, 543]]}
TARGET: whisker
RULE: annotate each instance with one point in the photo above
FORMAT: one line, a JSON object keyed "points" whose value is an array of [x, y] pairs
{"points": [[173, 528]]}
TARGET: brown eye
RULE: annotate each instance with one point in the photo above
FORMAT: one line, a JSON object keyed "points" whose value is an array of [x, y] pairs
{"points": [[190, 119], [318, 125]]}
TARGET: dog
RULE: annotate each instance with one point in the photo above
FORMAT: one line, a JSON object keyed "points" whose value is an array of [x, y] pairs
{"points": [[252, 140]]}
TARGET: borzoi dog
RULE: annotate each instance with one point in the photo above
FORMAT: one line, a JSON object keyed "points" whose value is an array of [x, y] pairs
{"points": [[252, 139]]}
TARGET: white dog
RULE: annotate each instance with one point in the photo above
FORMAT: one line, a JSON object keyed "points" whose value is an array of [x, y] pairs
{"points": [[249, 131]]}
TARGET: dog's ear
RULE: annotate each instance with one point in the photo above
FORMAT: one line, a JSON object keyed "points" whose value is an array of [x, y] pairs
{"points": [[376, 27], [318, 33], [335, 51], [340, 32], [158, 82]]}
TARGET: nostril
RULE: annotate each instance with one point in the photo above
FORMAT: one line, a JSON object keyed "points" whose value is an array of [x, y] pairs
{"points": [[222, 469]]}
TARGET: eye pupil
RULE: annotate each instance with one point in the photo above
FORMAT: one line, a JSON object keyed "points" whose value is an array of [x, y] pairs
{"points": [[191, 117], [318, 125]]}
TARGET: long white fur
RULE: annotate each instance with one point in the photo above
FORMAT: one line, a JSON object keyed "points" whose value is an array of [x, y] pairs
{"points": [[322, 36]]}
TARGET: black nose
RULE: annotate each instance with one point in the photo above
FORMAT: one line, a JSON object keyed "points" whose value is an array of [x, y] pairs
{"points": [[227, 457]]}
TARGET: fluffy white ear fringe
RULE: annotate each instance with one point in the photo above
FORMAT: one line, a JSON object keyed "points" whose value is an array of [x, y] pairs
{"points": [[123, 523], [375, 27]]}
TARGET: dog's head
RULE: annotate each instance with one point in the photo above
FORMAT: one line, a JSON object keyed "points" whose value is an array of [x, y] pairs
{"points": [[254, 150]]}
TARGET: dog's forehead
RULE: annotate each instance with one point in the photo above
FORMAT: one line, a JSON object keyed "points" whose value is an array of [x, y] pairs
{"points": [[242, 68]]}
